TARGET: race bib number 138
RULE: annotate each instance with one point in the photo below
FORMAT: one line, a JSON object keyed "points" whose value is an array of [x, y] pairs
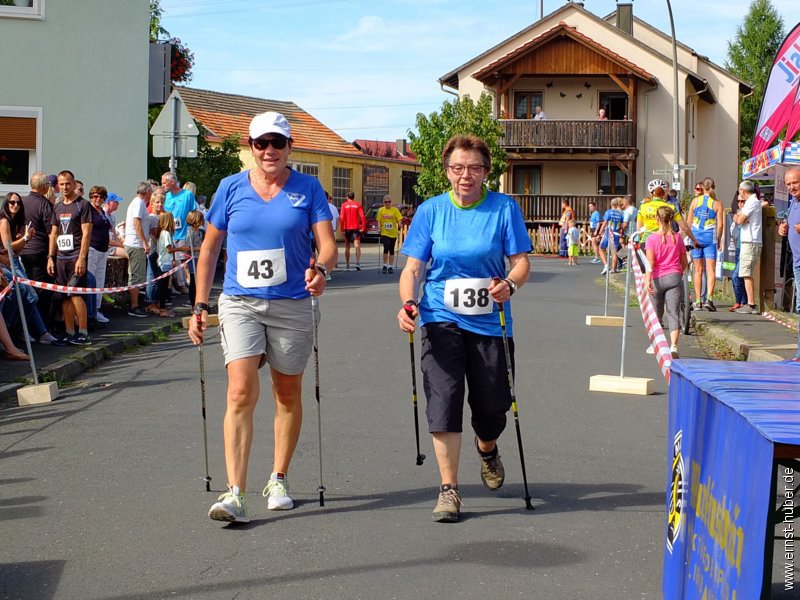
{"points": [[261, 268], [468, 296]]}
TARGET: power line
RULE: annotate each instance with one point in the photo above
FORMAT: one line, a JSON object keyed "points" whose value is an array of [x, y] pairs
{"points": [[328, 70]]}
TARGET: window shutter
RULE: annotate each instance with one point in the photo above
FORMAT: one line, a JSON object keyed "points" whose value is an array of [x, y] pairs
{"points": [[18, 133]]}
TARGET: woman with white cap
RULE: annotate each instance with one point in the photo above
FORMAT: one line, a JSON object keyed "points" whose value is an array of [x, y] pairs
{"points": [[268, 213]]}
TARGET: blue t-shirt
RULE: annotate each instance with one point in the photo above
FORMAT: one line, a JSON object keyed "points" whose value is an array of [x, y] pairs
{"points": [[180, 205], [794, 237], [465, 245], [613, 218], [268, 249], [594, 220]]}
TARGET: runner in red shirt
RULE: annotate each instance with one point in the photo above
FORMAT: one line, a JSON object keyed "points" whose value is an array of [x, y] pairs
{"points": [[353, 223]]}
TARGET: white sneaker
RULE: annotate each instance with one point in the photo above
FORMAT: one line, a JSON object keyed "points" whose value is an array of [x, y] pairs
{"points": [[604, 271], [277, 493], [674, 351], [650, 349], [230, 507], [101, 318]]}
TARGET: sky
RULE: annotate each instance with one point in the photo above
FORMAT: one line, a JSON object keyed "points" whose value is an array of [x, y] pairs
{"points": [[365, 68]]}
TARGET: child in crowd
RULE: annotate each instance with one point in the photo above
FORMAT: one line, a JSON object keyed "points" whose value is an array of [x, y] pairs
{"points": [[573, 243], [194, 238], [667, 256], [166, 258]]}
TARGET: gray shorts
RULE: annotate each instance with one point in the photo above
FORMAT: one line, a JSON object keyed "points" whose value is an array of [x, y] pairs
{"points": [[280, 331], [137, 265]]}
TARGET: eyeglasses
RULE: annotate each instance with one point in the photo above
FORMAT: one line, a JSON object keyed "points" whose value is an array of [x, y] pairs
{"points": [[279, 143], [472, 169], [14, 202], [95, 196], [387, 201]]}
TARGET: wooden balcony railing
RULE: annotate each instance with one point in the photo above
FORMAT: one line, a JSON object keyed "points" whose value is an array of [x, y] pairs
{"points": [[546, 208], [575, 135]]}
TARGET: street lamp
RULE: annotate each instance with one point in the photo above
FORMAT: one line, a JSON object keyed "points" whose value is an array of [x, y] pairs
{"points": [[676, 174]]}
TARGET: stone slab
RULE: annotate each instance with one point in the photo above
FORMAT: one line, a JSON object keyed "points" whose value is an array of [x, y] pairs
{"points": [[37, 394], [601, 321]]}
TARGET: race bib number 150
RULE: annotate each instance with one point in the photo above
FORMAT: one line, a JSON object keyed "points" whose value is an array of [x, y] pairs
{"points": [[261, 268], [468, 296]]}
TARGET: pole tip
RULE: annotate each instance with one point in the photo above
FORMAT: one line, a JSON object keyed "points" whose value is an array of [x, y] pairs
{"points": [[420, 459], [528, 505]]}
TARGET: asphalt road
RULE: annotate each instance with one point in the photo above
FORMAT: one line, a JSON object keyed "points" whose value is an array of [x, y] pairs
{"points": [[102, 494]]}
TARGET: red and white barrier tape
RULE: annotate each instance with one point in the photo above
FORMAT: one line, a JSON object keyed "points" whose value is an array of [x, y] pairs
{"points": [[84, 290], [5, 292], [651, 323], [787, 324]]}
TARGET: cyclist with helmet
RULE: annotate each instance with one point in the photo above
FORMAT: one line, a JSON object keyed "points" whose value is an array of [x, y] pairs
{"points": [[648, 217], [706, 218]]}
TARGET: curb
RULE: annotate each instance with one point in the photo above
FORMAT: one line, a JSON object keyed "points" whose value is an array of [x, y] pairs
{"points": [[85, 359], [741, 348]]}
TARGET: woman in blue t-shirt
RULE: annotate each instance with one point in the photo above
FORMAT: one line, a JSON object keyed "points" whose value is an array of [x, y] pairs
{"points": [[265, 309], [466, 234]]}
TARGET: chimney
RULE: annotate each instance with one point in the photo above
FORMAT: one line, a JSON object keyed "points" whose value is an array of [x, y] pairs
{"points": [[402, 146], [625, 16]]}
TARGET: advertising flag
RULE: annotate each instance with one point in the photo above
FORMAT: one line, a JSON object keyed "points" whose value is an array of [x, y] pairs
{"points": [[780, 93]]}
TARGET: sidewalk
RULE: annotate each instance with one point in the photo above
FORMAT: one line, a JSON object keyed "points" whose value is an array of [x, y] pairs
{"points": [[755, 338], [63, 363]]}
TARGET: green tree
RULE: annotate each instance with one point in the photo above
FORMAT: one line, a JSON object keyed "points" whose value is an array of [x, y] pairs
{"points": [[157, 32], [461, 117], [749, 58], [212, 164]]}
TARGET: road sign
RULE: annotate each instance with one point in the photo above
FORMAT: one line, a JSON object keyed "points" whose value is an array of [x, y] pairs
{"points": [[186, 146], [687, 167], [174, 118], [663, 172]]}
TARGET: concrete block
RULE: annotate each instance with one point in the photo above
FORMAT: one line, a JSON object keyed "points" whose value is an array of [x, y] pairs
{"points": [[37, 394], [640, 386], [761, 355], [212, 321], [601, 321]]}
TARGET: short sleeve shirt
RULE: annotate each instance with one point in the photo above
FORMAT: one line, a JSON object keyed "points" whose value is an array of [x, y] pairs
{"points": [[39, 213], [647, 214], [268, 242], [180, 205], [137, 209], [389, 220], [464, 244], [667, 252], [68, 219], [751, 230], [613, 218]]}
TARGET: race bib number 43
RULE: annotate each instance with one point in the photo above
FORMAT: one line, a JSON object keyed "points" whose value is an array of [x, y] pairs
{"points": [[468, 296], [261, 268]]}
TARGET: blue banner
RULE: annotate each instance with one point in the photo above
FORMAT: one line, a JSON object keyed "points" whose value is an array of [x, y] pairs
{"points": [[719, 473]]}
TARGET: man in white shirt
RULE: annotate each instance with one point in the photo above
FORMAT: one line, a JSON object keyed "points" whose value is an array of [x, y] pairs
{"points": [[749, 217], [137, 245]]}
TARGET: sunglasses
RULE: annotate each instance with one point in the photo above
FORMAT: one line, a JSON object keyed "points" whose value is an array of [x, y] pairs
{"points": [[14, 202], [95, 196], [279, 143]]}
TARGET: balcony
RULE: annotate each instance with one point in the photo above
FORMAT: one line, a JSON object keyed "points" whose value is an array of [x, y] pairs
{"points": [[546, 208], [554, 136]]}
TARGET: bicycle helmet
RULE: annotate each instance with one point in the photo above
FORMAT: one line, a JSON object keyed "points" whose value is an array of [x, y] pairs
{"points": [[658, 183]]}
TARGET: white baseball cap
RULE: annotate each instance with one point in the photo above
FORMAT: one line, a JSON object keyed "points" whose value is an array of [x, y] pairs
{"points": [[270, 122]]}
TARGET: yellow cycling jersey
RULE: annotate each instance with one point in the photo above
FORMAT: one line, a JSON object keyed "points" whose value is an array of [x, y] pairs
{"points": [[389, 220], [647, 215]]}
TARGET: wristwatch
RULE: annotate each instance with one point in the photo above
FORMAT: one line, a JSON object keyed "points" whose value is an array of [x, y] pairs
{"points": [[512, 286], [199, 308], [321, 268]]}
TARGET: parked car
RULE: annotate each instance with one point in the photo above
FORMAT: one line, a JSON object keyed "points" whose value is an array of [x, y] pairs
{"points": [[374, 228]]}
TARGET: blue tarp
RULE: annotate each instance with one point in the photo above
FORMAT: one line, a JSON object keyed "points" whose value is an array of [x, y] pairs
{"points": [[724, 419]]}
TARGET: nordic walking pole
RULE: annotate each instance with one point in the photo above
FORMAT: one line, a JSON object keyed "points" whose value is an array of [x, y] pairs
{"points": [[502, 311], [22, 313], [200, 353], [410, 312], [314, 308]]}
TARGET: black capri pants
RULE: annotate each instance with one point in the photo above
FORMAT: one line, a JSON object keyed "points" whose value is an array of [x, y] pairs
{"points": [[388, 244], [453, 357]]}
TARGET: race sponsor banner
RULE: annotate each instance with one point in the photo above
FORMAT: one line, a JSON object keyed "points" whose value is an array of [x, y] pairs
{"points": [[780, 93], [717, 493]]}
